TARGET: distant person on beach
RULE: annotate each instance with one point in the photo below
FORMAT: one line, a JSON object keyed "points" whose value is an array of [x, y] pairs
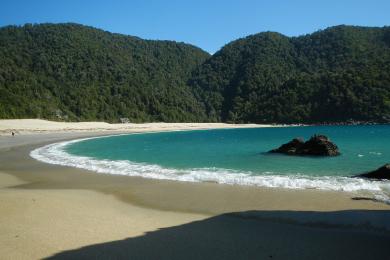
{"points": [[13, 133]]}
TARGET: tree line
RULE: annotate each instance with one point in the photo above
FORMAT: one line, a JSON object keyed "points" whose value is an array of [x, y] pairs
{"points": [[78, 73]]}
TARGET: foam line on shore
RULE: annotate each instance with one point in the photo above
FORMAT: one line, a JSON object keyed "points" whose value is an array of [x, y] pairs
{"points": [[56, 154]]}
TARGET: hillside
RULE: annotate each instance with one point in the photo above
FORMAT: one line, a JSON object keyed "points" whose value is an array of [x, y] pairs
{"points": [[334, 75], [75, 72], [78, 73]]}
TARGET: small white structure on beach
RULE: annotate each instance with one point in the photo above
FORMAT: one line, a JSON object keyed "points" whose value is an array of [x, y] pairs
{"points": [[124, 120]]}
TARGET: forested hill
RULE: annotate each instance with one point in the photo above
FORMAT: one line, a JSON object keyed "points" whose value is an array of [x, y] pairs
{"points": [[334, 75], [74, 72]]}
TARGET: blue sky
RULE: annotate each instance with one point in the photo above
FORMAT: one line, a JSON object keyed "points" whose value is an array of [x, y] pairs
{"points": [[207, 24]]}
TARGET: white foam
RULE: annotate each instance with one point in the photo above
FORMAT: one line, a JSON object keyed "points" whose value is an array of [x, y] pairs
{"points": [[56, 154], [375, 153]]}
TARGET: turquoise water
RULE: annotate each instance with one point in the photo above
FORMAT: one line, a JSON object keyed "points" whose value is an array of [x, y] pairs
{"points": [[235, 157], [363, 148]]}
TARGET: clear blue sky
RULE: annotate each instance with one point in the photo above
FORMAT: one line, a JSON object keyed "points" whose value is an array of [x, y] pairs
{"points": [[207, 24]]}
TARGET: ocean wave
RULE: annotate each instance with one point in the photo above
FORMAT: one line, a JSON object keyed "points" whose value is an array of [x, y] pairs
{"points": [[56, 154]]}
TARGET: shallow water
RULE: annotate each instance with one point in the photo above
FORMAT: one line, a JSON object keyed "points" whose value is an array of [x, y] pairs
{"points": [[235, 156]]}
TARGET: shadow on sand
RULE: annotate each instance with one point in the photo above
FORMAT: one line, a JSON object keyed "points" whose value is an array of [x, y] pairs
{"points": [[351, 234]]}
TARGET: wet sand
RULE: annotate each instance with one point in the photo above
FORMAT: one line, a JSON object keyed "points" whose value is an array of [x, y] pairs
{"points": [[48, 210]]}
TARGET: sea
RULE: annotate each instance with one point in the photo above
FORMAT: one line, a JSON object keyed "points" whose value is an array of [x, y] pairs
{"points": [[235, 157]]}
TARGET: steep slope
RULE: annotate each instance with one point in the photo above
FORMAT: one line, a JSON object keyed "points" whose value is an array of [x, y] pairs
{"points": [[339, 74], [81, 73], [75, 72]]}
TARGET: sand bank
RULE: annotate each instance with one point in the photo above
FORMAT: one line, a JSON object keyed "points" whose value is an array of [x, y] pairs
{"points": [[48, 210], [39, 223], [30, 126]]}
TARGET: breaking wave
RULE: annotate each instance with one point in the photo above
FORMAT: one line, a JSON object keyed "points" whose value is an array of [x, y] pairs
{"points": [[56, 154]]}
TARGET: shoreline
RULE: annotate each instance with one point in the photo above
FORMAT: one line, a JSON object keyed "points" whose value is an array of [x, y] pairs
{"points": [[56, 157], [39, 126], [172, 186], [33, 141], [157, 204]]}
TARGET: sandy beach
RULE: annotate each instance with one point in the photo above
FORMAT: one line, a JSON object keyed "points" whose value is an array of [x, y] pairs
{"points": [[50, 211], [33, 126]]}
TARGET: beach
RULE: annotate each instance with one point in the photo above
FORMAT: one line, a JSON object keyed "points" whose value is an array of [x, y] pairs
{"points": [[51, 211], [34, 126]]}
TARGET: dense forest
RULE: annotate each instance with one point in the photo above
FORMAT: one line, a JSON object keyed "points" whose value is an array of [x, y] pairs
{"points": [[335, 75], [74, 72]]}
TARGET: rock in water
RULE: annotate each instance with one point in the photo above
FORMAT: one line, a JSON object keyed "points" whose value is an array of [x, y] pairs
{"points": [[382, 173], [290, 147], [318, 145]]}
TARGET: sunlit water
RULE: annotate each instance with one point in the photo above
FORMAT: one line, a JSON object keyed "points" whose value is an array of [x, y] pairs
{"points": [[235, 156]]}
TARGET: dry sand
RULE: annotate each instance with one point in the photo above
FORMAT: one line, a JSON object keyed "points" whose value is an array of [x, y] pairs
{"points": [[30, 126], [39, 223], [67, 213]]}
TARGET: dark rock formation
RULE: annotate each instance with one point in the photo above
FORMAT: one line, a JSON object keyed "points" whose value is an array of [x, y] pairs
{"points": [[382, 173], [290, 147], [318, 145]]}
